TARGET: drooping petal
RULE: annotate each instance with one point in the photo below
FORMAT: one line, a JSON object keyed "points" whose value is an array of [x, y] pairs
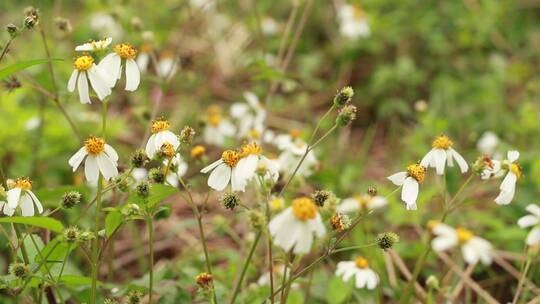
{"points": [[409, 193], [470, 255], [110, 64], [151, 146], [372, 279], [211, 166], [439, 157], [505, 197], [133, 75], [512, 156], [106, 166], [91, 169], [36, 201], [220, 177], [462, 163], [348, 205], [317, 226], [72, 81], [7, 210], [238, 180], [304, 243], [27, 207], [377, 202], [13, 197], [442, 243], [533, 238], [509, 182], [82, 85], [111, 153], [77, 158], [99, 84], [427, 160], [527, 221], [533, 209], [398, 178]]}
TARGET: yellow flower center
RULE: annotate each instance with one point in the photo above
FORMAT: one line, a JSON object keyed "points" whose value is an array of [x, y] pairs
{"points": [[361, 262], [167, 149], [230, 157], [463, 235], [442, 142], [417, 172], [125, 51], [363, 201], [94, 145], [160, 125], [198, 151], [304, 209], [83, 63], [516, 169], [276, 203], [249, 149], [24, 183], [254, 134], [214, 119]]}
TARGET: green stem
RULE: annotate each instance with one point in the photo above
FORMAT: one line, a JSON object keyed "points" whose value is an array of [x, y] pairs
{"points": [[320, 122], [95, 251], [245, 267], [524, 274], [6, 48], [26, 260], [150, 222]]}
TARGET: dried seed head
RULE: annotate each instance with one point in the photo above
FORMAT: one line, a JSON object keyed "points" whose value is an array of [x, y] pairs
{"points": [[19, 270], [139, 158], [343, 97], [12, 30], [372, 191], [63, 25], [387, 240], [320, 197], [339, 222], [205, 280], [11, 83], [156, 175], [230, 200], [187, 134], [71, 199], [346, 115], [134, 297], [143, 189]]}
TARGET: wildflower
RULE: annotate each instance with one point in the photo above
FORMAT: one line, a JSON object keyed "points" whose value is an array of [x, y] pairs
{"points": [[144, 56], [198, 151], [86, 70], [387, 240], [340, 222], [441, 154], [488, 143], [486, 167], [94, 46], [295, 227], [21, 195], [112, 63], [508, 185], [205, 280], [293, 148], [532, 219], [225, 170], [249, 116], [139, 158], [352, 22], [160, 136], [19, 270], [177, 168], [410, 181], [473, 248], [71, 199], [217, 128], [364, 276], [230, 200], [362, 202], [71, 234], [167, 65], [100, 157], [346, 115], [343, 97], [251, 160]]}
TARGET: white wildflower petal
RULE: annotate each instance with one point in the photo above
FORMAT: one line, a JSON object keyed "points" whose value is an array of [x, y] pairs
{"points": [[133, 75], [111, 65], [427, 160], [398, 178], [151, 146], [512, 156], [212, 166], [91, 168], [444, 242], [82, 85], [111, 153], [220, 177], [534, 209], [409, 193], [505, 197], [439, 157], [348, 205], [98, 84], [77, 158], [462, 163], [73, 80], [106, 166], [238, 180], [36, 201], [533, 238], [509, 182], [13, 197], [7, 210], [27, 206], [528, 221]]}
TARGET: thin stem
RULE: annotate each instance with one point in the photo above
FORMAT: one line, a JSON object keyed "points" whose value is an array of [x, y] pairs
{"points": [[320, 122], [49, 64], [63, 263], [524, 274], [95, 253], [245, 267], [150, 224], [6, 48], [25, 256]]}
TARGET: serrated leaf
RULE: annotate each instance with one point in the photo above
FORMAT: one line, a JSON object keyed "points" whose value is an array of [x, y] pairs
{"points": [[36, 221], [5, 72]]}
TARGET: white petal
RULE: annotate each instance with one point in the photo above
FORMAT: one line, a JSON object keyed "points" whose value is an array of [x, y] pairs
{"points": [[247, 166], [238, 180], [106, 166], [512, 156], [133, 75], [462, 163], [77, 158], [427, 159], [82, 85], [398, 178], [505, 197], [36, 201], [509, 182], [220, 177], [110, 64], [372, 279], [348, 205], [99, 84], [361, 279], [439, 157], [409, 193], [73, 80], [111, 153], [317, 227], [534, 209], [534, 236], [151, 146], [13, 197], [211, 166], [527, 221], [91, 169], [27, 207], [7, 210], [304, 243], [442, 243], [469, 253]]}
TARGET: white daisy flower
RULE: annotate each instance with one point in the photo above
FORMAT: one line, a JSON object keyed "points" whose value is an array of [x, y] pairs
{"points": [[167, 66], [490, 168], [252, 161], [508, 185], [94, 46], [143, 58], [225, 171], [178, 168], [293, 148], [442, 154], [296, 227], [112, 63], [473, 248], [21, 195], [361, 202], [160, 136], [100, 157], [217, 129], [532, 219], [364, 276], [352, 22], [85, 71], [410, 181], [249, 116], [488, 143]]}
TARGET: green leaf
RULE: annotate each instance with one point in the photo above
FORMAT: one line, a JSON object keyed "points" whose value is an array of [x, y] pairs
{"points": [[113, 220], [337, 291], [36, 221], [75, 280], [158, 193], [5, 72]]}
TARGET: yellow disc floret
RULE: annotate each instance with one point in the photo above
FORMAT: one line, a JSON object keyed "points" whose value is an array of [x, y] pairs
{"points": [[254, 134], [442, 142], [125, 51], [463, 235], [230, 157], [160, 125], [417, 172], [304, 208], [516, 169], [23, 183], [277, 204], [198, 151], [361, 262], [94, 145], [214, 119], [167, 149], [363, 200], [83, 63], [250, 149]]}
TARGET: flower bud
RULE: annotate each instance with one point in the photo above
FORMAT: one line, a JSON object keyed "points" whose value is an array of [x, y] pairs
{"points": [[387, 240], [136, 23], [32, 17], [277, 204], [156, 175], [340, 222], [134, 297], [230, 200], [121, 183], [320, 197], [11, 83], [257, 219], [346, 116], [63, 25], [12, 30], [205, 280], [71, 199], [139, 158], [143, 189], [432, 282], [372, 191], [71, 234], [19, 270], [343, 97], [131, 210], [187, 134]]}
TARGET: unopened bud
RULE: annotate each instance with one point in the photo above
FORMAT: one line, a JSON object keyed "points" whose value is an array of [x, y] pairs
{"points": [[187, 134], [139, 158], [71, 234], [121, 183], [19, 270], [32, 17], [12, 30], [134, 297], [143, 189], [387, 240], [136, 23], [71, 199], [432, 282], [320, 197], [343, 97], [372, 191], [86, 236], [131, 210], [346, 115], [156, 175], [63, 25], [230, 200]]}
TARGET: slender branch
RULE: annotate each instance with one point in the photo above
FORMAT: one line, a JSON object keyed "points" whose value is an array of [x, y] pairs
{"points": [[521, 282], [245, 267]]}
